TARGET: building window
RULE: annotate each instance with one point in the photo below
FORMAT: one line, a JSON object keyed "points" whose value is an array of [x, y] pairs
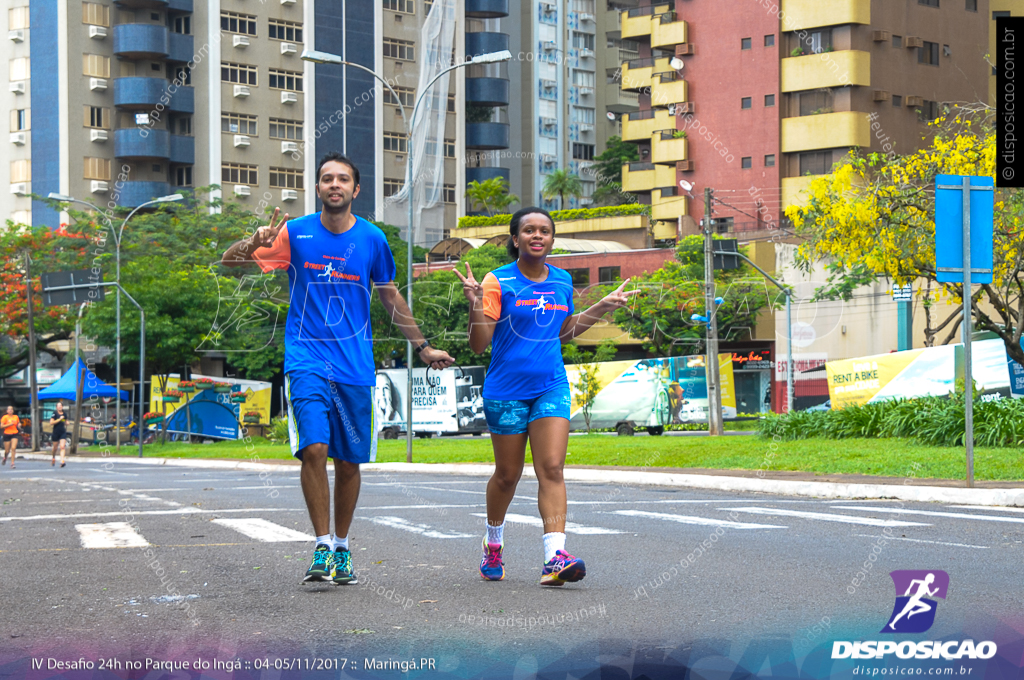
{"points": [[583, 41], [285, 80], [451, 103], [745, 43], [608, 274], [403, 6], [406, 94], [21, 170], [95, 65], [897, 41], [281, 128], [769, 161], [580, 277], [184, 126], [928, 54], [285, 178], [449, 148], [183, 75], [239, 173], [237, 73], [583, 78], [392, 186], [394, 141], [97, 168], [97, 117], [769, 40], [21, 119], [290, 31], [928, 112], [154, 67], [816, 42], [233, 22], [183, 176], [20, 68], [972, 5], [400, 49], [813, 102], [238, 124], [448, 192], [583, 152], [815, 162], [746, 103], [183, 25], [745, 162], [996, 15], [769, 100], [17, 17], [580, 115], [897, 100], [93, 13], [928, 3]]}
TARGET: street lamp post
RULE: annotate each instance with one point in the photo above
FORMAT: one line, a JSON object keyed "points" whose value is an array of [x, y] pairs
{"points": [[328, 58]]}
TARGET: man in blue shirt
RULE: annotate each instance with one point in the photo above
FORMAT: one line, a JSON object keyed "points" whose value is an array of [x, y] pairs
{"points": [[334, 261]]}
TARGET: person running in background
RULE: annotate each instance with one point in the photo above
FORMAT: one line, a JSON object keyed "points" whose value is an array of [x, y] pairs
{"points": [[59, 422], [526, 309], [10, 424], [328, 356]]}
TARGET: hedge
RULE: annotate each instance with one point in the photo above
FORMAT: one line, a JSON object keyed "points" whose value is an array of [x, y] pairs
{"points": [[558, 215]]}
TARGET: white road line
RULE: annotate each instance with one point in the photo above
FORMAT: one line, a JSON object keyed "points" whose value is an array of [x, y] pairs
{"points": [[700, 521], [932, 513], [263, 530], [422, 529], [570, 527], [987, 507], [419, 507], [176, 511], [918, 540], [829, 517], [642, 502], [262, 486], [148, 490], [110, 535], [111, 472]]}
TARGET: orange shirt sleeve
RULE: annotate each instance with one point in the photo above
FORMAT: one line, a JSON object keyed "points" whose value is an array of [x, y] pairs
{"points": [[277, 256], [492, 297]]}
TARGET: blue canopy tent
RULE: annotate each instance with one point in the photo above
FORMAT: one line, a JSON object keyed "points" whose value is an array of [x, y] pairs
{"points": [[66, 387]]}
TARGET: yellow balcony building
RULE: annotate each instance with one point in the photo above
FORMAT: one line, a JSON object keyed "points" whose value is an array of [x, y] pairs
{"points": [[636, 73], [826, 131], [668, 88], [666, 149], [802, 14], [637, 22], [667, 30], [828, 69], [644, 177], [640, 125], [667, 207]]}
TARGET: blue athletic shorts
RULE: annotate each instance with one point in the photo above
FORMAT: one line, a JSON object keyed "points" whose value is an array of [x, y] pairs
{"points": [[321, 411], [513, 417]]}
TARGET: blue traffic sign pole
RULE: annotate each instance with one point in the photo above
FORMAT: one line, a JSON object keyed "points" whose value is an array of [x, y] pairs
{"points": [[968, 304]]}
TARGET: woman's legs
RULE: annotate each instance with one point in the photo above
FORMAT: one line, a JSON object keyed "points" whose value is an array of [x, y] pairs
{"points": [[509, 458], [549, 440]]}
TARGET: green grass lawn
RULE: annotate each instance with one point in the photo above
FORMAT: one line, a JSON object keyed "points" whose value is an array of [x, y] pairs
{"points": [[885, 457]]}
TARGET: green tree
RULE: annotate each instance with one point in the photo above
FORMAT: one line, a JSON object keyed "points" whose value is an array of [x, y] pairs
{"points": [[660, 314], [388, 340], [492, 195], [586, 385], [561, 183], [608, 171]]}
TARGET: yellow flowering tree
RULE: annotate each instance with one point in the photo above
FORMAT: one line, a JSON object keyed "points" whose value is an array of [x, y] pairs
{"points": [[873, 218]]}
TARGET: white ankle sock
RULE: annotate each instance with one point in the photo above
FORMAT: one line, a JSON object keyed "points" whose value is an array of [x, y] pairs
{"points": [[496, 534], [340, 542], [553, 542], [324, 540]]}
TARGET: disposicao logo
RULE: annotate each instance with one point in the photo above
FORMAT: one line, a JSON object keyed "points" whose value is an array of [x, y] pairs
{"points": [[914, 612]]}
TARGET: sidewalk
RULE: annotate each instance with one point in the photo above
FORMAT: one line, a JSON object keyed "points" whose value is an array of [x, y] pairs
{"points": [[774, 482]]}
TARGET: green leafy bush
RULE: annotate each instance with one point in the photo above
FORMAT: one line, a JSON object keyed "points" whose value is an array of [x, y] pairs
{"points": [[558, 215], [278, 432]]}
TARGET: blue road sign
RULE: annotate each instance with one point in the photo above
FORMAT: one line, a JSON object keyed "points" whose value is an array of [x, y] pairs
{"points": [[949, 223]]}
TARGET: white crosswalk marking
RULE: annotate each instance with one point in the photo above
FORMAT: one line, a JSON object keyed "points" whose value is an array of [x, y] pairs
{"points": [[829, 517], [264, 530], [934, 513], [987, 508], [422, 529], [110, 535], [918, 540], [700, 521], [570, 527]]}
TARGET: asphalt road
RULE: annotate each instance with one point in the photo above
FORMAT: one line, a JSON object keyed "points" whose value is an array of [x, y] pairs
{"points": [[98, 563]]}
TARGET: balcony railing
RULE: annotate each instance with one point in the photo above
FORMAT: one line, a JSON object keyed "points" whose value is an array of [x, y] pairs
{"points": [[650, 10], [642, 115], [641, 63], [638, 167]]}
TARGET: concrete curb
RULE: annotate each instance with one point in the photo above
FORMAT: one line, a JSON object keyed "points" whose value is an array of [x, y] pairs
{"points": [[924, 494]]}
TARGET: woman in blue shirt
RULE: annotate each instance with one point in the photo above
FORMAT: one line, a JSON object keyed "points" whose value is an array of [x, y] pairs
{"points": [[525, 311]]}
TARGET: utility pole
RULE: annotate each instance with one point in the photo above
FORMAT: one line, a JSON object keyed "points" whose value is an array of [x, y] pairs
{"points": [[33, 399], [714, 387]]}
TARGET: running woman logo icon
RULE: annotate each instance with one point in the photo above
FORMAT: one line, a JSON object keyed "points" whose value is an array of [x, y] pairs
{"points": [[914, 612]]}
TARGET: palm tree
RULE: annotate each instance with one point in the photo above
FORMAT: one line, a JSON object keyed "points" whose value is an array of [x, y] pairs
{"points": [[562, 182], [491, 194]]}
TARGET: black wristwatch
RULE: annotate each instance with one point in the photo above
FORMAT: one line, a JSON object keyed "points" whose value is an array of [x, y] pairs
{"points": [[422, 347]]}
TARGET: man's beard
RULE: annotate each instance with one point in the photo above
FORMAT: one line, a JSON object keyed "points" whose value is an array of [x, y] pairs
{"points": [[341, 207]]}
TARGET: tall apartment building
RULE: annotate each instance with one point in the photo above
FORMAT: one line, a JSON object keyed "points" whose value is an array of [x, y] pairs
{"points": [[136, 99], [999, 8], [767, 103]]}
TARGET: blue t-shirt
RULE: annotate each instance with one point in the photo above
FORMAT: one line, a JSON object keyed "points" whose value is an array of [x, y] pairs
{"points": [[331, 277], [526, 352]]}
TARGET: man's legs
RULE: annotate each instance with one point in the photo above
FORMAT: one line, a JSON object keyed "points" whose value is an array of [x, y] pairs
{"points": [[315, 487], [347, 481]]}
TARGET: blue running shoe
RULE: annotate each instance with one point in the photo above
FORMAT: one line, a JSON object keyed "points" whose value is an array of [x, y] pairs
{"points": [[561, 569], [343, 574], [492, 568], [322, 567]]}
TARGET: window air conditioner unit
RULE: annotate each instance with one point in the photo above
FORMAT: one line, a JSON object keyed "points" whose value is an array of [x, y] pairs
{"points": [[685, 107], [915, 101], [881, 96], [881, 36], [289, 97], [240, 41], [684, 166], [287, 2], [242, 190], [18, 87], [18, 138], [547, 82], [97, 84], [17, 35], [98, 135], [586, 201], [289, 147], [586, 89], [586, 52], [586, 127], [685, 49], [20, 188], [549, 45], [97, 32], [289, 194], [241, 140], [98, 187], [587, 17], [911, 41], [241, 91], [548, 121], [289, 48]]}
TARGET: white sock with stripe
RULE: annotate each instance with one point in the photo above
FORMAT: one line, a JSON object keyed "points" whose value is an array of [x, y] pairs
{"points": [[553, 542]]}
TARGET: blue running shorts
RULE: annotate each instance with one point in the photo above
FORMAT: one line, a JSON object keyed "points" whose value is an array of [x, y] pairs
{"points": [[321, 411], [513, 417]]}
